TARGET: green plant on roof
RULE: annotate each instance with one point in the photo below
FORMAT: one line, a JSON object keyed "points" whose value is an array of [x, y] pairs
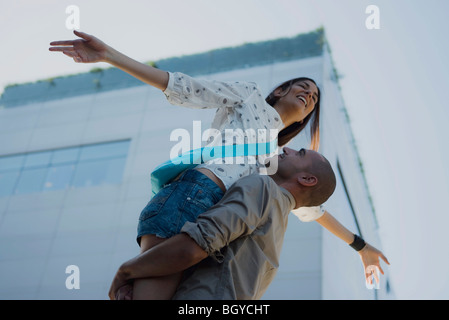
{"points": [[151, 64], [96, 70]]}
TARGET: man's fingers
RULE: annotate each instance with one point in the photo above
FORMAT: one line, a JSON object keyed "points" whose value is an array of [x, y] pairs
{"points": [[124, 293]]}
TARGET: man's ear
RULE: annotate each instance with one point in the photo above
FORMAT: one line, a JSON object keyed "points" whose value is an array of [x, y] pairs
{"points": [[307, 179]]}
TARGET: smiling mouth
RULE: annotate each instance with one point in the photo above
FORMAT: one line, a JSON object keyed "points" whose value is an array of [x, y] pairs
{"points": [[303, 100]]}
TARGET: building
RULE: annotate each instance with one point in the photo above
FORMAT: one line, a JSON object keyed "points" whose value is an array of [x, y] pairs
{"points": [[76, 154]]}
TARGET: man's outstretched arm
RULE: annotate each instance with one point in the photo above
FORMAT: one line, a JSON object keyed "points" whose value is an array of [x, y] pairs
{"points": [[171, 256]]}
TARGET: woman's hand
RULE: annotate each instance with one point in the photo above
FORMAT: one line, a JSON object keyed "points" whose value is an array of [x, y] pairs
{"points": [[370, 259], [88, 49]]}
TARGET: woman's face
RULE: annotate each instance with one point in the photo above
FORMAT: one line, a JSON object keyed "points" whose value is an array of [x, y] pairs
{"points": [[301, 98]]}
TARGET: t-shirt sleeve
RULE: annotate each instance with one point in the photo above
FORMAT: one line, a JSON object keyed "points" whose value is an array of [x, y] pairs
{"points": [[190, 92], [308, 214], [237, 215]]}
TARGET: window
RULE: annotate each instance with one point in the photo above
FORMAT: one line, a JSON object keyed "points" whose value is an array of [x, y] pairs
{"points": [[340, 172], [83, 166]]}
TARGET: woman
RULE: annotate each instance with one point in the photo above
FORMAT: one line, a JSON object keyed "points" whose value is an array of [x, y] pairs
{"points": [[289, 108]]}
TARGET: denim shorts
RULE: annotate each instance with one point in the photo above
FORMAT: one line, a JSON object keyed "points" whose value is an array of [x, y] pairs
{"points": [[180, 201]]}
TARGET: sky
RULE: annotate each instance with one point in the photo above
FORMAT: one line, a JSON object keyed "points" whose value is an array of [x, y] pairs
{"points": [[393, 80]]}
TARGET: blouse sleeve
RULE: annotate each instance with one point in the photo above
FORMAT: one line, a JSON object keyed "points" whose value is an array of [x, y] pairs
{"points": [[307, 214], [186, 91]]}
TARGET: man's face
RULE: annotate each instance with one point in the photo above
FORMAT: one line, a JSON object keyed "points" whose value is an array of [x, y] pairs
{"points": [[293, 161]]}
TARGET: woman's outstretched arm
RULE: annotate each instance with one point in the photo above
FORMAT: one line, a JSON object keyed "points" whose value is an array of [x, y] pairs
{"points": [[90, 49], [368, 254]]}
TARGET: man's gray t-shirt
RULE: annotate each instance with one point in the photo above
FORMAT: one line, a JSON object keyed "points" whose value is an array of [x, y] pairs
{"points": [[243, 235]]}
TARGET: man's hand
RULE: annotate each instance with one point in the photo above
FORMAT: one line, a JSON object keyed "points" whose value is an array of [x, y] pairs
{"points": [[124, 293], [86, 50], [121, 289], [370, 259]]}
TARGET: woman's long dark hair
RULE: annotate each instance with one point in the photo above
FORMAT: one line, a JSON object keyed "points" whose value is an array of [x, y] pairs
{"points": [[288, 133]]}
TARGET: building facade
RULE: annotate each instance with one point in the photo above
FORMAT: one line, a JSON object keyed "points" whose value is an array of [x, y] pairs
{"points": [[76, 154]]}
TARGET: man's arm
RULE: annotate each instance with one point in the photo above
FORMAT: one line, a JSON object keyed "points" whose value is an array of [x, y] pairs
{"points": [[236, 215], [369, 255], [171, 256]]}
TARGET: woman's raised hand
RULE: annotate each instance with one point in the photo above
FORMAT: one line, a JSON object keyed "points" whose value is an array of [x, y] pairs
{"points": [[88, 49]]}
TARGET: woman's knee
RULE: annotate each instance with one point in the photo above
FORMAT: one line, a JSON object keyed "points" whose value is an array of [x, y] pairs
{"points": [[149, 241]]}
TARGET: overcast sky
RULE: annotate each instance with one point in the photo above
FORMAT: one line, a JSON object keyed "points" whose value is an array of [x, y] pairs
{"points": [[394, 83]]}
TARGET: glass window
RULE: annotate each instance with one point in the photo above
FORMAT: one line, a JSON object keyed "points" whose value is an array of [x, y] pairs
{"points": [[31, 180], [37, 159], [11, 162], [89, 173], [59, 177], [68, 155], [83, 166], [114, 170], [8, 182], [106, 150]]}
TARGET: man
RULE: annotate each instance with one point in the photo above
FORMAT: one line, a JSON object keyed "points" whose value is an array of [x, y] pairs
{"points": [[241, 236], [235, 246]]}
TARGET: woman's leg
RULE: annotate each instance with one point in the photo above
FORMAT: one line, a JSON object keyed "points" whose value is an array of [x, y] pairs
{"points": [[156, 288]]}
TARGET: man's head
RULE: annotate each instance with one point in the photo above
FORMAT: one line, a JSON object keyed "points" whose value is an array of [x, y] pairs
{"points": [[307, 175]]}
